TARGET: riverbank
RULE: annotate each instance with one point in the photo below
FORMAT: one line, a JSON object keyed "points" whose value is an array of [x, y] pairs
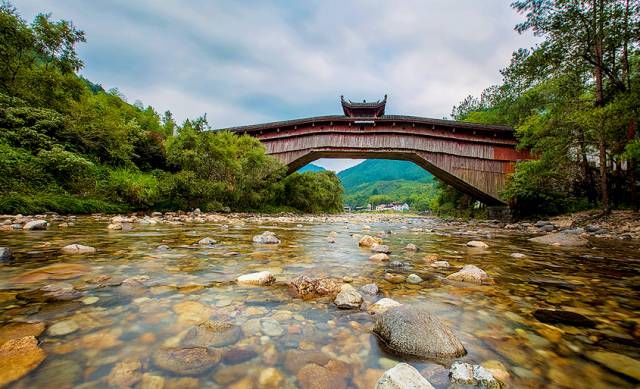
{"points": [[618, 225]]}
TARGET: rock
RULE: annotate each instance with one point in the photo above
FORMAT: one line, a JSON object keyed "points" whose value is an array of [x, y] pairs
{"points": [[414, 279], [207, 241], [412, 330], [369, 241], [396, 264], [5, 254], [150, 381], [472, 274], [380, 248], [394, 278], [443, 264], [212, 333], [347, 279], [75, 249], [371, 289], [477, 243], [411, 247], [186, 361], [266, 237], [379, 257], [36, 225], [333, 375], [551, 316], [271, 327], [58, 271], [382, 305], [466, 374], [517, 255], [20, 330], [125, 374], [295, 359], [348, 298], [270, 378], [59, 291], [192, 312], [497, 369], [547, 228], [306, 287], [259, 278], [238, 355], [617, 362], [62, 328], [115, 226], [561, 239], [18, 357], [592, 228], [403, 376]]}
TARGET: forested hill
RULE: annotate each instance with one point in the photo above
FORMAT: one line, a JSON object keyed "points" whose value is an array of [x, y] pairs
{"points": [[373, 170], [377, 181], [311, 168]]}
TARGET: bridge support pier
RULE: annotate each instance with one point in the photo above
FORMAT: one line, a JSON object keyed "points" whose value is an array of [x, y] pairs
{"points": [[501, 212]]}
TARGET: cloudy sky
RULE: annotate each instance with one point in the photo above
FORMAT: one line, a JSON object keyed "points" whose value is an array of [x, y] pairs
{"points": [[244, 62]]}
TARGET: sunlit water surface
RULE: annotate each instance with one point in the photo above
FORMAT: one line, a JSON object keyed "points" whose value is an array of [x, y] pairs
{"points": [[189, 284]]}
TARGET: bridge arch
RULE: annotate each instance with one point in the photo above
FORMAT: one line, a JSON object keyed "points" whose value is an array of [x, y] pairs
{"points": [[473, 158]]}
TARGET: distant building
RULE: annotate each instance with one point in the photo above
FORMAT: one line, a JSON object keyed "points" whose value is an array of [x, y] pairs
{"points": [[393, 207]]}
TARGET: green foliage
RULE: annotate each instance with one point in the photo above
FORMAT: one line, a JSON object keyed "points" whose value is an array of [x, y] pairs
{"points": [[313, 192], [133, 187], [68, 145]]}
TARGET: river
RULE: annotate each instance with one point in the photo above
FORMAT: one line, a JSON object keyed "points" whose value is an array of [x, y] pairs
{"points": [[96, 330]]}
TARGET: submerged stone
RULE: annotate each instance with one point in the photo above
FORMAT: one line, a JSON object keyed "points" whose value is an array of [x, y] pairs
{"points": [[18, 357], [472, 274], [552, 316], [369, 241], [477, 243], [617, 362], [75, 249], [212, 333], [186, 361], [561, 239]]}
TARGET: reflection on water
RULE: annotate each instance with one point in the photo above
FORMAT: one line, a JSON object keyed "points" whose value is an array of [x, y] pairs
{"points": [[112, 317]]}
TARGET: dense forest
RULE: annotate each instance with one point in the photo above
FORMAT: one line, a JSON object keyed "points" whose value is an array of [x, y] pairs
{"points": [[67, 145], [574, 100]]}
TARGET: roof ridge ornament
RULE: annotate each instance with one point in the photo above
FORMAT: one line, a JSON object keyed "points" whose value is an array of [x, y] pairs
{"points": [[364, 109]]}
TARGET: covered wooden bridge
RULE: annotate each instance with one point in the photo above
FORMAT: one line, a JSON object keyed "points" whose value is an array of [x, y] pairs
{"points": [[474, 158]]}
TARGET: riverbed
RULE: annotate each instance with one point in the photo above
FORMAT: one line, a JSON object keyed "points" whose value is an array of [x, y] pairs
{"points": [[106, 318]]}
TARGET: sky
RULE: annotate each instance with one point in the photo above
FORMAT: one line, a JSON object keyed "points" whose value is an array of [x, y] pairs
{"points": [[245, 62]]}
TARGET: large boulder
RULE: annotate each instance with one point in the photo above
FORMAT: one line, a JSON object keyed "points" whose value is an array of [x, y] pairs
{"points": [[561, 239], [472, 274], [413, 330], [348, 298], [259, 278], [403, 376], [36, 225], [266, 237], [368, 241], [306, 287]]}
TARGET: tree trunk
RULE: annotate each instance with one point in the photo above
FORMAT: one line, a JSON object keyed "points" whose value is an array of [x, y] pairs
{"points": [[602, 145]]}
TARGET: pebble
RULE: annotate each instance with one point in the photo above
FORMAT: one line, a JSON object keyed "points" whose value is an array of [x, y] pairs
{"points": [[477, 243], [414, 279], [64, 327], [271, 327], [90, 300], [77, 249]]}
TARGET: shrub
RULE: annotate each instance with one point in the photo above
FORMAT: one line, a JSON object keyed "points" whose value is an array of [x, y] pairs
{"points": [[133, 187]]}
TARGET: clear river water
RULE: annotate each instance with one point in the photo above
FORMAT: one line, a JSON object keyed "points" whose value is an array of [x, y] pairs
{"points": [[98, 331]]}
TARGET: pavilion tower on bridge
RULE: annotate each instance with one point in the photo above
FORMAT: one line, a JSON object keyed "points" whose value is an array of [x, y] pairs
{"points": [[364, 109]]}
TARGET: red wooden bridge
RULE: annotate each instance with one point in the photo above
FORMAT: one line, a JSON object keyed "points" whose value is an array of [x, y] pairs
{"points": [[474, 158]]}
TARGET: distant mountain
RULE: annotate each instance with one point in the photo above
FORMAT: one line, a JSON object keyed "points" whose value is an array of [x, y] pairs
{"points": [[374, 170], [377, 181], [311, 168]]}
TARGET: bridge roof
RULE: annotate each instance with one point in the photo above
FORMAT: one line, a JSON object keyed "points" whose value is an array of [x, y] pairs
{"points": [[381, 119]]}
